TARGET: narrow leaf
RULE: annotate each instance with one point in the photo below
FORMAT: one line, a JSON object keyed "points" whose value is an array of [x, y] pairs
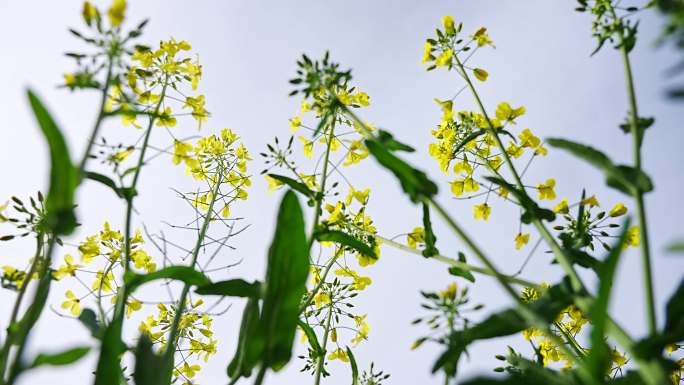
{"points": [[63, 176], [345, 240], [295, 185], [185, 274], [231, 288], [62, 358]]}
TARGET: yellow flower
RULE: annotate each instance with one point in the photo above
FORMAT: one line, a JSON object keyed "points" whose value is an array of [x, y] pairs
{"points": [[180, 151], [591, 201], [142, 260], [514, 150], [321, 299], [482, 38], [482, 211], [116, 12], [521, 240], [480, 74], [228, 136], [90, 13], [188, 370], [457, 187], [618, 359], [362, 329], [308, 147], [107, 234], [415, 237], [69, 268], [338, 354], [72, 303], [357, 152], [365, 260], [104, 282], [273, 184], [166, 119], [505, 112], [131, 306], [528, 139], [3, 207], [562, 207], [546, 189], [362, 98], [450, 292], [89, 249], [618, 210], [295, 123], [633, 237], [445, 58], [427, 53], [448, 22]]}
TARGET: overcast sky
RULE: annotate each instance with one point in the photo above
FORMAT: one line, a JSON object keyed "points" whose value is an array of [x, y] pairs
{"points": [[249, 48]]}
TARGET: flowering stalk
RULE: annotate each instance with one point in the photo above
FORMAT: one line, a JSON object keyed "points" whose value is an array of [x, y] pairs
{"points": [[639, 195], [123, 295], [173, 332], [550, 240], [321, 359]]}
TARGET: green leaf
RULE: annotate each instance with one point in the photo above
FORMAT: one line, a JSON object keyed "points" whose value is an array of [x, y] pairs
{"points": [[388, 141], [345, 239], [430, 238], [239, 366], [311, 337], [624, 178], [108, 371], [63, 176], [89, 320], [285, 284], [414, 182], [674, 313], [149, 366], [531, 208], [232, 288], [354, 367], [458, 272], [121, 192], [676, 247], [62, 358], [295, 185], [599, 355], [185, 274]]}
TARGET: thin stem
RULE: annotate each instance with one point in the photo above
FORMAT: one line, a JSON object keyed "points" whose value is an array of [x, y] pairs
{"points": [[318, 286], [173, 333], [33, 313], [100, 117], [324, 177], [639, 196], [457, 263], [321, 359], [17, 305]]}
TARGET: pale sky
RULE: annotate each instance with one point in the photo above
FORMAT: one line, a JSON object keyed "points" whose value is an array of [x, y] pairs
{"points": [[249, 48]]}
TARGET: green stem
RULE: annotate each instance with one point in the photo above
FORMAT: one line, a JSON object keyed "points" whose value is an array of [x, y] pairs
{"points": [[173, 333], [324, 177], [100, 117], [318, 286], [562, 258], [17, 305], [457, 263], [321, 359], [639, 196], [34, 311]]}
